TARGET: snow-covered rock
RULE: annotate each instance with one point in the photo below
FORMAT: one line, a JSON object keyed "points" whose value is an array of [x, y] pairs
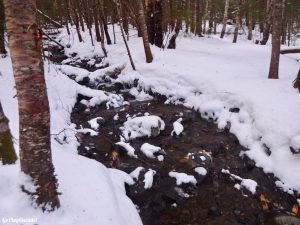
{"points": [[143, 126], [183, 178], [148, 178], [129, 149], [149, 150], [177, 127]]}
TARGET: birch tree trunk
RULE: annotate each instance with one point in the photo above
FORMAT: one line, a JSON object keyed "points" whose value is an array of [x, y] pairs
{"points": [[142, 21], [225, 18], [35, 149], [276, 38], [7, 151]]}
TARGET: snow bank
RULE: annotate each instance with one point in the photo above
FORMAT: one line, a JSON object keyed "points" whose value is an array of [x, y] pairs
{"points": [[130, 150], [96, 195]]}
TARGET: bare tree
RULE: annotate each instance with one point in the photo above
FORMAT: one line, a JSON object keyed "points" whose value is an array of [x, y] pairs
{"points": [[35, 149], [276, 38]]}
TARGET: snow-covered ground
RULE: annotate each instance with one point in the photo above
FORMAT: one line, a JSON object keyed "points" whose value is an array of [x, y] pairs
{"points": [[213, 75], [210, 74]]}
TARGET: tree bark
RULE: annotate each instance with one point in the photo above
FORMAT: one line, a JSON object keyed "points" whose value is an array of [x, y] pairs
{"points": [[225, 18], [2, 31], [142, 21], [268, 23], [7, 151], [276, 38], [238, 21], [35, 148]]}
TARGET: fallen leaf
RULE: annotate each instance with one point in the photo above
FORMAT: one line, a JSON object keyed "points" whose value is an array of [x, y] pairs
{"points": [[295, 209]]}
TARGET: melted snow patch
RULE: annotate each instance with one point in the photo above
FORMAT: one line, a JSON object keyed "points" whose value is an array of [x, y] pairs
{"points": [[183, 178], [142, 126]]}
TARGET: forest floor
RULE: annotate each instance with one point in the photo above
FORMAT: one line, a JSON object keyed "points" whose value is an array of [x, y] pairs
{"points": [[231, 190]]}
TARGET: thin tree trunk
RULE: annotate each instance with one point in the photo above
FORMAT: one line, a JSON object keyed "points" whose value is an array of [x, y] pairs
{"points": [[268, 23], [199, 17], [276, 39], [250, 24], [7, 151], [142, 21], [238, 21], [35, 148], [104, 23], [123, 35], [2, 31], [227, 3], [158, 39], [76, 21]]}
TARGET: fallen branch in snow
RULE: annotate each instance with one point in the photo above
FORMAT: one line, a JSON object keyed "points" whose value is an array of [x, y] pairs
{"points": [[57, 24], [290, 51]]}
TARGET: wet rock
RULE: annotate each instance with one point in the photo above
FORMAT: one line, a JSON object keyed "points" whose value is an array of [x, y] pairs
{"points": [[249, 164], [283, 220], [234, 110]]}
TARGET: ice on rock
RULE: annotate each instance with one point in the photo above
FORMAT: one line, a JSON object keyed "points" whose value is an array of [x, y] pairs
{"points": [[177, 127], [143, 126], [183, 178]]}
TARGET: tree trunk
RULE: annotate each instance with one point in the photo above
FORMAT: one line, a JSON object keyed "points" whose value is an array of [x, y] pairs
{"points": [[199, 17], [276, 39], [158, 20], [7, 151], [268, 23], [250, 23], [172, 42], [2, 32], [142, 21], [35, 148], [238, 21], [297, 81], [225, 18]]}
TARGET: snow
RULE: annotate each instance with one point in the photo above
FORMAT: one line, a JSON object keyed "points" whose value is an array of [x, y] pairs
{"points": [[183, 178], [149, 150], [95, 195], [142, 126], [212, 75], [130, 150], [249, 184], [160, 158], [94, 123], [201, 171], [136, 173], [177, 127], [148, 178], [140, 95]]}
